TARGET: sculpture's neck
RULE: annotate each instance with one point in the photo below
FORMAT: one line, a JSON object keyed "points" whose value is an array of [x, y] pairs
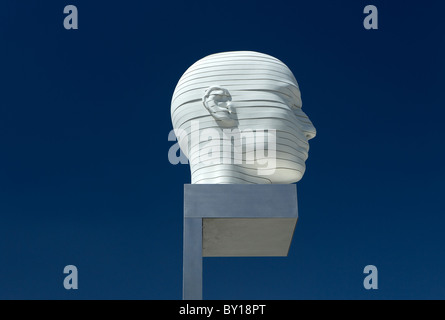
{"points": [[226, 174]]}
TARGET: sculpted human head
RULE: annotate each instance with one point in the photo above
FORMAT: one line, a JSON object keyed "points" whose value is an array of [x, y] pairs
{"points": [[238, 118]]}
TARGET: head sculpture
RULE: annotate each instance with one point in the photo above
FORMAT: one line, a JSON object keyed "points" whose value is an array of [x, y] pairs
{"points": [[238, 119]]}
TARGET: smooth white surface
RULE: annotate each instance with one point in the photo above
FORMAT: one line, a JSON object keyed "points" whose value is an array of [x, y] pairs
{"points": [[242, 90]]}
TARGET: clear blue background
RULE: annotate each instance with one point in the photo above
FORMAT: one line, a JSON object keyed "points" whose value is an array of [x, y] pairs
{"points": [[84, 173]]}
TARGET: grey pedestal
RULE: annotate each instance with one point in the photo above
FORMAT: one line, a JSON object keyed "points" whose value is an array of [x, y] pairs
{"points": [[234, 220]]}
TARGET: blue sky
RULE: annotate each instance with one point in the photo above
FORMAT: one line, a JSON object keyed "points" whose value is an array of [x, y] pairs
{"points": [[84, 173]]}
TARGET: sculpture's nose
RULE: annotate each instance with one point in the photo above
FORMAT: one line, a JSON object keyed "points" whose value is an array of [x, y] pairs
{"points": [[306, 124], [310, 131]]}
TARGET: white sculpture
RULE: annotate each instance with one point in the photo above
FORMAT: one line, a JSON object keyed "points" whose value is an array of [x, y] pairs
{"points": [[245, 101]]}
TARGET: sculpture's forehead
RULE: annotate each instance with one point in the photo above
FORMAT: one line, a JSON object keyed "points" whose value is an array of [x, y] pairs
{"points": [[234, 65], [243, 73]]}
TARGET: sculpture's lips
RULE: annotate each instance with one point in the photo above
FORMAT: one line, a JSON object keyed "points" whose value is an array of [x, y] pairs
{"points": [[306, 152], [305, 155]]}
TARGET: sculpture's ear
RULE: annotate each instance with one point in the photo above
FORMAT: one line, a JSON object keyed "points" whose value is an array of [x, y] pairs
{"points": [[217, 100]]}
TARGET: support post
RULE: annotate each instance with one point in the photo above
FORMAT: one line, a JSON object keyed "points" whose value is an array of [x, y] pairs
{"points": [[192, 259]]}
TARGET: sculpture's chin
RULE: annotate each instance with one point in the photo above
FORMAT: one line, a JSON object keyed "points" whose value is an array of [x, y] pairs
{"points": [[283, 175]]}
